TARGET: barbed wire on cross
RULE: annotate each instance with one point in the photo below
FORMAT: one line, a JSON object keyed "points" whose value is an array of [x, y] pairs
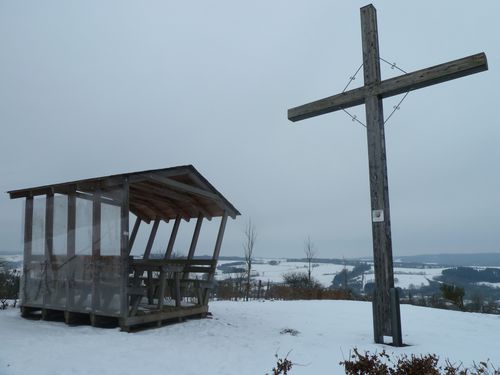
{"points": [[352, 78]]}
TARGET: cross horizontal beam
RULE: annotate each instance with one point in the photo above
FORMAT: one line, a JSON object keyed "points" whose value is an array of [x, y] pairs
{"points": [[393, 86]]}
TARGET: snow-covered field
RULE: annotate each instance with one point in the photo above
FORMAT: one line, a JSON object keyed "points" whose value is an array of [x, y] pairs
{"points": [[241, 338], [325, 272]]}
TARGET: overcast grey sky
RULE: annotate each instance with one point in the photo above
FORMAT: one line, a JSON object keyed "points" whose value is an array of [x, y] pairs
{"points": [[91, 88]]}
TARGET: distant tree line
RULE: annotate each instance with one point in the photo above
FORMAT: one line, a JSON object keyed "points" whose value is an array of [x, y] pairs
{"points": [[470, 275]]}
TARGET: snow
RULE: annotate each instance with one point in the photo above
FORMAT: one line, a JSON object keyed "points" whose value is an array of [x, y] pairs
{"points": [[325, 272], [491, 285], [242, 337]]}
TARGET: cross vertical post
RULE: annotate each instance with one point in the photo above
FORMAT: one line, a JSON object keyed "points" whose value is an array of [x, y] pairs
{"points": [[379, 191]]}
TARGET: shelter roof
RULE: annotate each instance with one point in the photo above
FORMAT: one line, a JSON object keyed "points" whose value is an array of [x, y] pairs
{"points": [[153, 194]]}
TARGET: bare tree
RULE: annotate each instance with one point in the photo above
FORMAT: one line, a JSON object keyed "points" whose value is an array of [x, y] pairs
{"points": [[248, 245], [310, 251]]}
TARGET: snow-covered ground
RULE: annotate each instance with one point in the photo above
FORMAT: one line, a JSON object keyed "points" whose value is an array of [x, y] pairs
{"points": [[241, 338], [325, 272], [491, 285]]}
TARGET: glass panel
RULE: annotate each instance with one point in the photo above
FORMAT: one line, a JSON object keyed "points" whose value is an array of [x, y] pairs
{"points": [[83, 230], [82, 283], [110, 229], [60, 224], [108, 266], [38, 242], [108, 287], [35, 266]]}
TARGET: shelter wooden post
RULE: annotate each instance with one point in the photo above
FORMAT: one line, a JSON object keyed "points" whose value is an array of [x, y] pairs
{"points": [[125, 248], [27, 250], [48, 253], [71, 247], [173, 235], [147, 253], [133, 235], [194, 241], [96, 251], [215, 257], [385, 318]]}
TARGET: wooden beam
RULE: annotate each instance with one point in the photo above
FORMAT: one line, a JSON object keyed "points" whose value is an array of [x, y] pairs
{"points": [[30, 193], [151, 239], [134, 233], [333, 103], [393, 86], [433, 75], [173, 235], [144, 176]]}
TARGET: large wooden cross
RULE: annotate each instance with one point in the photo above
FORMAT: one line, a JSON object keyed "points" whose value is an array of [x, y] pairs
{"points": [[386, 316]]}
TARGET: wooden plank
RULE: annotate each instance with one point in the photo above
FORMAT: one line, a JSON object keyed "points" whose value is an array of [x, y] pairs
{"points": [[133, 235], [173, 236]]}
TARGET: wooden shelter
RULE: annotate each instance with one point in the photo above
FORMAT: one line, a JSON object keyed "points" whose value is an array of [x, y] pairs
{"points": [[77, 246]]}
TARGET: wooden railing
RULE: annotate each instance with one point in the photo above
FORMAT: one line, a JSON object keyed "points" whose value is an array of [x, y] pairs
{"points": [[151, 277]]}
